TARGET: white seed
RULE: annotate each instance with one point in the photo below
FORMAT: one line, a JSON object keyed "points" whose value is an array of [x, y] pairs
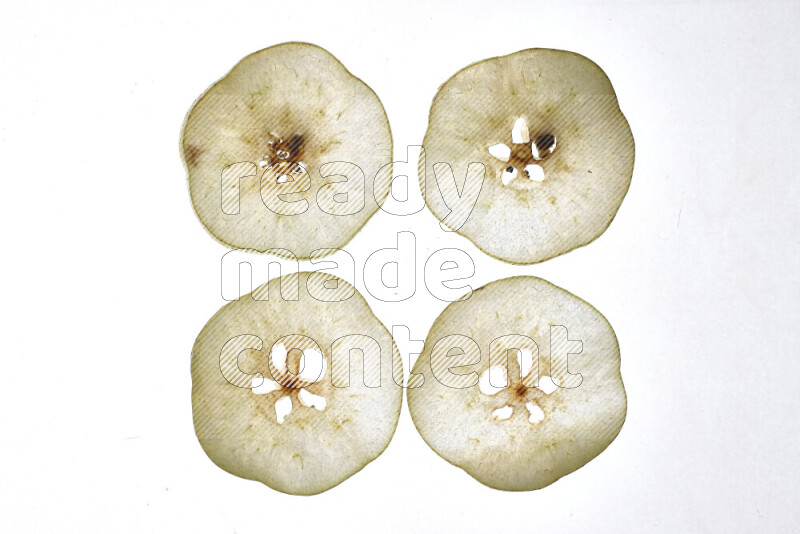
{"points": [[283, 407], [508, 176], [519, 132], [500, 151], [534, 172], [501, 414], [308, 399]]}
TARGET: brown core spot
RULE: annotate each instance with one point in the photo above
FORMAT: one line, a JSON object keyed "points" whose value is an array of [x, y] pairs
{"points": [[289, 150], [296, 144]]}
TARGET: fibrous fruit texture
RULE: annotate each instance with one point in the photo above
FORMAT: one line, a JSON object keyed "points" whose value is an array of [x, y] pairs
{"points": [[538, 137], [296, 385], [288, 153], [521, 384]]}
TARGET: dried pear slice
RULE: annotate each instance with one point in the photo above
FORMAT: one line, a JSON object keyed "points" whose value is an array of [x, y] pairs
{"points": [[557, 151], [481, 407], [256, 360], [284, 152]]}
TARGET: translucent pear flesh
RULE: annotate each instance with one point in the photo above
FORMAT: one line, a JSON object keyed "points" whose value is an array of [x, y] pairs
{"points": [[341, 423], [548, 431], [288, 107], [578, 136]]}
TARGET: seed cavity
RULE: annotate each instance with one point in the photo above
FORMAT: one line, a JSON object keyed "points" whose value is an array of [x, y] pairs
{"points": [[283, 407], [547, 385], [311, 369], [278, 356], [493, 380], [540, 148], [283, 151], [312, 365], [310, 400], [501, 414], [525, 361], [536, 414], [264, 386]]}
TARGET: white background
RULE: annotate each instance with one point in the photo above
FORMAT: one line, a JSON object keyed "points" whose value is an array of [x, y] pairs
{"points": [[109, 276]]}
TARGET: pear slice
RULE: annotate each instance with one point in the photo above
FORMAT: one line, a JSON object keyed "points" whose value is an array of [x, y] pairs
{"points": [[289, 150], [521, 386], [551, 119], [296, 394]]}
